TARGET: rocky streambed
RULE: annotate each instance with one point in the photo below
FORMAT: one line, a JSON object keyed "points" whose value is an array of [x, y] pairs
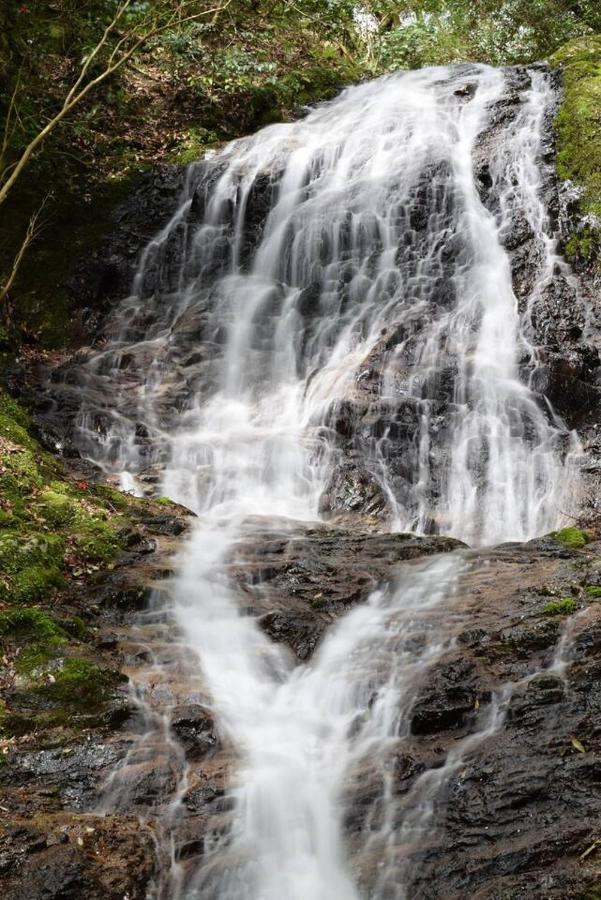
{"points": [[86, 810]]}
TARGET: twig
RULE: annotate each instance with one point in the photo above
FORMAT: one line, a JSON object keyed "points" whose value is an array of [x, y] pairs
{"points": [[33, 229]]}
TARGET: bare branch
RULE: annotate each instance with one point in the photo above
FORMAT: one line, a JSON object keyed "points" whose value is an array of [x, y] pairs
{"points": [[33, 229], [92, 56], [81, 88]]}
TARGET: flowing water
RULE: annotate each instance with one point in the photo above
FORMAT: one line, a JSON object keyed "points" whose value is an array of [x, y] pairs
{"points": [[328, 327]]}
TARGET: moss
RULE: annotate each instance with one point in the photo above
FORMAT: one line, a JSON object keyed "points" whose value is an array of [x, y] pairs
{"points": [[23, 551], [80, 683], [593, 590], [579, 137], [33, 583], [14, 422], [194, 144], [562, 607], [97, 541], [30, 565], [58, 509], [37, 502], [318, 601], [27, 623], [571, 537], [37, 634]]}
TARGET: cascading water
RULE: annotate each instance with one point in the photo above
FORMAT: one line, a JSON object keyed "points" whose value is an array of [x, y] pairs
{"points": [[339, 337]]}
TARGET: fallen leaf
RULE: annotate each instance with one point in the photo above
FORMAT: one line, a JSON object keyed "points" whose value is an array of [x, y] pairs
{"points": [[576, 744]]}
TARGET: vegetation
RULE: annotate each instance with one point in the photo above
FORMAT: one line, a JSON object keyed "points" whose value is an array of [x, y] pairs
{"points": [[48, 525], [55, 534], [563, 607], [579, 155], [571, 537]]}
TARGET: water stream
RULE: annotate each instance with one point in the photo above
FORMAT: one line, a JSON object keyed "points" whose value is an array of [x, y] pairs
{"points": [[328, 328]]}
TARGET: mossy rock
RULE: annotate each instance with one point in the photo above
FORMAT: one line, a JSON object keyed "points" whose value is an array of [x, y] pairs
{"points": [[571, 537], [37, 502], [27, 623], [30, 565], [70, 692], [564, 607], [579, 138], [57, 508], [80, 684]]}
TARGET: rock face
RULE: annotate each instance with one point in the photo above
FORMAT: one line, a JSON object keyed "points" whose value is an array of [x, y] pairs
{"points": [[69, 860], [100, 280], [517, 812], [512, 815], [297, 581], [183, 343]]}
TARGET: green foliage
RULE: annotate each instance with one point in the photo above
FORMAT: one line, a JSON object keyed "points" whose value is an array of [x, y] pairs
{"points": [[593, 590], [579, 150], [412, 34], [571, 537], [563, 607]]}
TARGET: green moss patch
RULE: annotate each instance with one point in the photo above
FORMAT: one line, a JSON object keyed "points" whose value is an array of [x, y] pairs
{"points": [[33, 637], [27, 623], [49, 527], [80, 683], [571, 537], [53, 532], [579, 137], [66, 693], [563, 607], [593, 590]]}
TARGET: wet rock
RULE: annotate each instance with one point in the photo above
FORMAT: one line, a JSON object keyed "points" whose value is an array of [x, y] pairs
{"points": [[495, 813], [75, 772], [449, 700], [104, 277], [71, 858], [195, 730], [299, 579]]}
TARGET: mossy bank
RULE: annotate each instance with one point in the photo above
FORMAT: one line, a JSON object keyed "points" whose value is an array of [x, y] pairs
{"points": [[58, 538], [579, 143]]}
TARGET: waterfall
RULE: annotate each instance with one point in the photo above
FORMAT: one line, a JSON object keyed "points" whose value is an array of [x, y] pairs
{"points": [[329, 328]]}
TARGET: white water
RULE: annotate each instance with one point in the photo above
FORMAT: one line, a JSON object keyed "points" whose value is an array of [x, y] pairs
{"points": [[379, 280]]}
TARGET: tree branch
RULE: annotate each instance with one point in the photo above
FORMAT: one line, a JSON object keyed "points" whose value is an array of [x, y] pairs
{"points": [[33, 229], [79, 90]]}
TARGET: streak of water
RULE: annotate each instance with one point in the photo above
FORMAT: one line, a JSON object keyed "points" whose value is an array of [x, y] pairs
{"points": [[339, 333]]}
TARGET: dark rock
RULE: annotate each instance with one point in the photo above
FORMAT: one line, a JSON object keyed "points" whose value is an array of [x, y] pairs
{"points": [[298, 579], [195, 730]]}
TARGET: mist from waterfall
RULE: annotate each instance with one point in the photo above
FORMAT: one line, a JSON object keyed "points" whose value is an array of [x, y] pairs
{"points": [[342, 301]]}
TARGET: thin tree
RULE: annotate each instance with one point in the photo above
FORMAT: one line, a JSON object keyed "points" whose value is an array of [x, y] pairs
{"points": [[127, 45], [129, 41]]}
